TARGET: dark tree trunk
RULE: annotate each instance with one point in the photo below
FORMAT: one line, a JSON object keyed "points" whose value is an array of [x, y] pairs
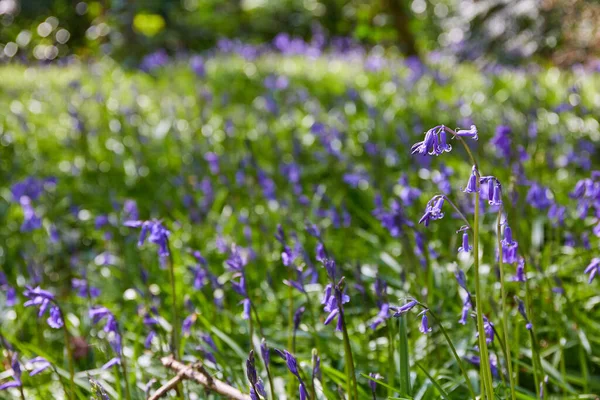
{"points": [[401, 16]]}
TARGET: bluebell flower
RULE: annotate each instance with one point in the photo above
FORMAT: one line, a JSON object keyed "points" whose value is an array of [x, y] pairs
{"points": [[383, 315], [31, 187], [465, 244], [472, 186], [408, 194], [539, 196], [11, 293], [557, 214], [83, 289], [384, 307], [16, 374], [424, 328], [264, 351], [521, 308], [502, 141], [373, 384], [40, 364], [155, 232], [251, 369], [197, 65], [488, 329], [433, 211], [431, 143], [520, 274], [470, 133], [475, 360], [187, 323], [465, 310], [331, 305], [154, 60], [398, 311], [298, 317], [213, 162], [313, 230], [55, 319], [509, 247], [593, 269], [461, 279], [30, 219], [394, 219], [100, 221], [44, 299], [111, 328]]}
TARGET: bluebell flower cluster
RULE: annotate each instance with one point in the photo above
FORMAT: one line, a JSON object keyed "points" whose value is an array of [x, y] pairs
{"points": [[111, 328], [44, 300]]}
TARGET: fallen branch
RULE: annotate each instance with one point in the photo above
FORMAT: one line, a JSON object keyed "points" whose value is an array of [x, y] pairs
{"points": [[188, 372]]}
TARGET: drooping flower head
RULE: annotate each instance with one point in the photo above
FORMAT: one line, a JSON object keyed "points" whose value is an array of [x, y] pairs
{"points": [[433, 211], [424, 328], [520, 275], [465, 248], [333, 300], [373, 384], [44, 299], [111, 328], [509, 246], [16, 374], [155, 232], [398, 311], [472, 185], [523, 312], [593, 269]]}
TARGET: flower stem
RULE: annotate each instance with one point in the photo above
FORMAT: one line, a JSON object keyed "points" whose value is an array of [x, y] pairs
{"points": [[535, 355], [391, 362], [175, 322], [504, 307], [69, 354], [404, 360], [349, 359], [484, 359], [454, 353]]}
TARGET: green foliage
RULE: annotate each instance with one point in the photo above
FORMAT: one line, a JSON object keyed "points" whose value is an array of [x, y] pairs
{"points": [[109, 134]]}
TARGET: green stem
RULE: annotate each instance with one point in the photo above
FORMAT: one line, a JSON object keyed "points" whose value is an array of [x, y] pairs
{"points": [[535, 356], [455, 354], [69, 355], [391, 361], [404, 359], [484, 359], [504, 307], [290, 386], [175, 322], [349, 359]]}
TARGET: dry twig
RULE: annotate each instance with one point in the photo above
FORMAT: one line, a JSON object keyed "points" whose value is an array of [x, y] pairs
{"points": [[202, 377]]}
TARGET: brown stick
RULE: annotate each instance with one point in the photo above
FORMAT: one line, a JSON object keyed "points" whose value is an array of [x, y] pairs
{"points": [[187, 372]]}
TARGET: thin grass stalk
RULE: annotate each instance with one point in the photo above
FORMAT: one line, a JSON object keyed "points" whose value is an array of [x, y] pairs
{"points": [[507, 354]]}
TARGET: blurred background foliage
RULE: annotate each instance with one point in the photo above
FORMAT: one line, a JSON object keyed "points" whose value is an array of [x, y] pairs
{"points": [[564, 32]]}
